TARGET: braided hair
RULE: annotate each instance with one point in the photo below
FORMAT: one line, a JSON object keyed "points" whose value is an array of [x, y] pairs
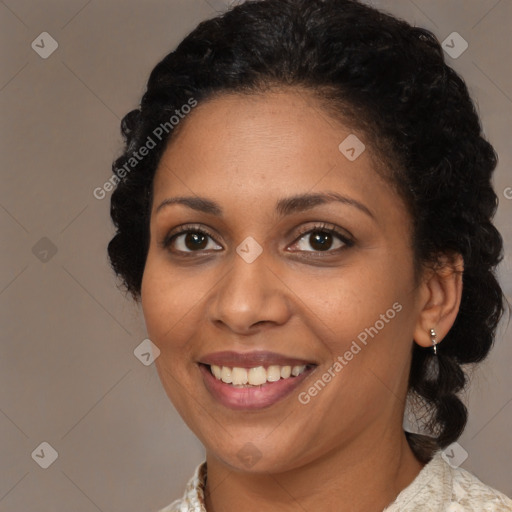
{"points": [[378, 74]]}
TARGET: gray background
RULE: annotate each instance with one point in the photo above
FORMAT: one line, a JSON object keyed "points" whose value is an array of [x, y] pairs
{"points": [[69, 376]]}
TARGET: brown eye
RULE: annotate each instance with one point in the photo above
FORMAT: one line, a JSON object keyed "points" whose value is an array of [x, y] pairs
{"points": [[321, 239], [195, 241], [189, 240]]}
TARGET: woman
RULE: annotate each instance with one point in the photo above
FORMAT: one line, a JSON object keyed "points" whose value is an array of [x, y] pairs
{"points": [[304, 211]]}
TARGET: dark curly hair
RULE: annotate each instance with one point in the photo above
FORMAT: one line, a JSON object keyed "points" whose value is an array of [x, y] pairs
{"points": [[373, 72]]}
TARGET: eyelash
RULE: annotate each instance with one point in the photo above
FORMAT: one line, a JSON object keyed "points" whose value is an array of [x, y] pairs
{"points": [[318, 228]]}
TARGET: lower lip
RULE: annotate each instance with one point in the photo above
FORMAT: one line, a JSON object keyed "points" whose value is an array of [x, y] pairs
{"points": [[250, 398]]}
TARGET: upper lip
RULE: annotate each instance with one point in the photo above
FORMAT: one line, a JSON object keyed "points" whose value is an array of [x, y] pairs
{"points": [[251, 359]]}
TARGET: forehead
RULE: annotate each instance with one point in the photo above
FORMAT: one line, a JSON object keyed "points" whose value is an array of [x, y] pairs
{"points": [[279, 124], [250, 148]]}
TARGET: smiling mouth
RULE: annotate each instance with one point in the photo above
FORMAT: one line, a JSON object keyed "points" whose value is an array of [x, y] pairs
{"points": [[239, 377]]}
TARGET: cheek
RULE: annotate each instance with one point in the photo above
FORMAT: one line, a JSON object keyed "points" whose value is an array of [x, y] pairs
{"points": [[365, 317], [167, 302], [347, 301]]}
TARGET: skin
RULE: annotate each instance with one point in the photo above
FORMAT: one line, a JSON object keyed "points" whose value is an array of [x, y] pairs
{"points": [[245, 153]]}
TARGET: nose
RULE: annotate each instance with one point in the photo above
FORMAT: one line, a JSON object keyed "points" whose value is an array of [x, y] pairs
{"points": [[249, 297]]}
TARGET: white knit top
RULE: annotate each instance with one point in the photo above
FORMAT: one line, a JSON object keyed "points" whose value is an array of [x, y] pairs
{"points": [[437, 488]]}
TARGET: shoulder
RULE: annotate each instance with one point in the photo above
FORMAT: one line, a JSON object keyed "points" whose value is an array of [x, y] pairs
{"points": [[437, 488], [193, 498], [440, 487], [471, 494]]}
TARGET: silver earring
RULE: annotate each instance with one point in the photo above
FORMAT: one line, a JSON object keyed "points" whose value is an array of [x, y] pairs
{"points": [[433, 337]]}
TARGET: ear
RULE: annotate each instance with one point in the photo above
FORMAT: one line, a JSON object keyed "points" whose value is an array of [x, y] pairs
{"points": [[441, 293]]}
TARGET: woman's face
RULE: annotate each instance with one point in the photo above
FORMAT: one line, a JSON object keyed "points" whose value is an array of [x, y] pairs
{"points": [[256, 283]]}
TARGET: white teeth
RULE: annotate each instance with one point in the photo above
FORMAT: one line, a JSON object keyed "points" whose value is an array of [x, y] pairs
{"points": [[226, 375], [255, 376], [239, 376], [273, 373], [217, 371], [297, 370], [286, 371]]}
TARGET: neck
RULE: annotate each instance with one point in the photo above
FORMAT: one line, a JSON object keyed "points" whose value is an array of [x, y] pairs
{"points": [[361, 477]]}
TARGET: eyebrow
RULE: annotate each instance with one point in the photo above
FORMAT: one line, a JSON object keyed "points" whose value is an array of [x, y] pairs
{"points": [[284, 207]]}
